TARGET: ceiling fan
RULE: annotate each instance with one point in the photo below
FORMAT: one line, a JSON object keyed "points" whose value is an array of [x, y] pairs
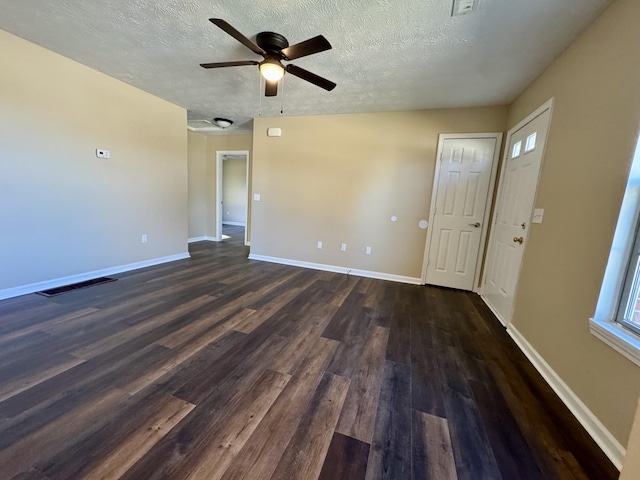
{"points": [[275, 48]]}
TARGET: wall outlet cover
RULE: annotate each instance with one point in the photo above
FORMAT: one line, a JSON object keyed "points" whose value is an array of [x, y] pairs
{"points": [[538, 213]]}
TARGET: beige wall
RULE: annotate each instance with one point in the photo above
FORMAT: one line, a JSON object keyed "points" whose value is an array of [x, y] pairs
{"points": [[594, 130], [62, 210], [198, 206], [202, 179], [339, 179], [631, 468], [234, 188]]}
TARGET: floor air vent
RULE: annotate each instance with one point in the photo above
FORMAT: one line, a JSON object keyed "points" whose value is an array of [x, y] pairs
{"points": [[75, 286]]}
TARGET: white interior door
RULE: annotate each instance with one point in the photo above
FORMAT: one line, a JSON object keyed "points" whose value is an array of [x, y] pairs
{"points": [[513, 213], [462, 184]]}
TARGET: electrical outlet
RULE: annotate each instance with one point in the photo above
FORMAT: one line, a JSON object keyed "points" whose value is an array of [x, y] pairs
{"points": [[319, 244], [368, 251], [144, 238], [100, 153], [343, 247]]}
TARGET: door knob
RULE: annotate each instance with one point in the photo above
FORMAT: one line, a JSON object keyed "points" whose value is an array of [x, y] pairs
{"points": [[518, 240], [477, 224]]}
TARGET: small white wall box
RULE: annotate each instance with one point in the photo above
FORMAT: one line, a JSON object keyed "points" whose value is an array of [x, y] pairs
{"points": [[274, 132], [101, 153]]}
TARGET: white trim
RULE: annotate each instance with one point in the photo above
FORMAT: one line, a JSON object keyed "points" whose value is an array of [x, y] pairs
{"points": [[202, 239], [59, 282], [219, 167], [235, 224], [618, 338], [548, 105], [493, 310], [607, 442], [336, 269], [219, 173], [487, 209]]}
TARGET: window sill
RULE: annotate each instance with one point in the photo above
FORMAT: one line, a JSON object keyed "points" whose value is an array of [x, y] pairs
{"points": [[619, 338]]}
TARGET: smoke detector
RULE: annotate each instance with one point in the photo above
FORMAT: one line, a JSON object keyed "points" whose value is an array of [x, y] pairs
{"points": [[463, 7]]}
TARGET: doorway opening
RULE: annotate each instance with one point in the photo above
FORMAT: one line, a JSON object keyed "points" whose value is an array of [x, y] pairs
{"points": [[232, 192]]}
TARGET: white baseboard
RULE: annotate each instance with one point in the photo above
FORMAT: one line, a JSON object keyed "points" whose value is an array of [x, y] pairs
{"points": [[81, 277], [235, 224], [493, 310], [605, 440], [336, 269], [202, 239]]}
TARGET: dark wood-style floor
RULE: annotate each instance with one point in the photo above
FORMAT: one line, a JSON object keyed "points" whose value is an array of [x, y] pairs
{"points": [[218, 367]]}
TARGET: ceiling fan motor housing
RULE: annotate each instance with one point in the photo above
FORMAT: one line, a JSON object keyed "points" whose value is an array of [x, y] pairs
{"points": [[271, 41]]}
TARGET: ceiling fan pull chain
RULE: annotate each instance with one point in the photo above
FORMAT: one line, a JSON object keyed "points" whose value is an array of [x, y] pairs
{"points": [[260, 81], [282, 96]]}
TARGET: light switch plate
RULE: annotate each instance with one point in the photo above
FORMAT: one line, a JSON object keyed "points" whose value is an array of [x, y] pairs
{"points": [[538, 213], [256, 197]]}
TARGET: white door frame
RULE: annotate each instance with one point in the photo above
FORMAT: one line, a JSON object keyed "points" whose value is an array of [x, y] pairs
{"points": [[548, 105], [487, 209], [219, 172]]}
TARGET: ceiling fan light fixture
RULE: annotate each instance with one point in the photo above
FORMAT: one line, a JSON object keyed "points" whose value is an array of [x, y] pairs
{"points": [[222, 122], [271, 69]]}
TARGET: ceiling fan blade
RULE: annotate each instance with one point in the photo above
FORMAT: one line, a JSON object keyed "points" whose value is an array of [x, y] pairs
{"points": [[311, 77], [308, 47], [229, 64], [270, 89], [237, 35]]}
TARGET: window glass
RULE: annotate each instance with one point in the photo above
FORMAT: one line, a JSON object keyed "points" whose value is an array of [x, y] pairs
{"points": [[515, 153], [531, 142]]}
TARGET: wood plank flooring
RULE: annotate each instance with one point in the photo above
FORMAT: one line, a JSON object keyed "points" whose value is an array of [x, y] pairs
{"points": [[218, 367]]}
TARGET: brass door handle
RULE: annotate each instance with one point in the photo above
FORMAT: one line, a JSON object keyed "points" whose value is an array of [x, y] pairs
{"points": [[518, 240]]}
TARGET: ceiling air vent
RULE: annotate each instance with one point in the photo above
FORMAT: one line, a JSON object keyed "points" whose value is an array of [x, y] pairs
{"points": [[203, 126]]}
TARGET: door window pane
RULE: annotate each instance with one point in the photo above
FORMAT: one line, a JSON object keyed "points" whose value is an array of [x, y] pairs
{"points": [[531, 142], [515, 153]]}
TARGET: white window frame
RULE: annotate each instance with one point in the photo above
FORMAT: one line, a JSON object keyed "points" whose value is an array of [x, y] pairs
{"points": [[608, 322]]}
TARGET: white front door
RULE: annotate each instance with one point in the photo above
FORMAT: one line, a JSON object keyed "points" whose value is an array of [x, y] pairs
{"points": [[513, 212], [459, 205]]}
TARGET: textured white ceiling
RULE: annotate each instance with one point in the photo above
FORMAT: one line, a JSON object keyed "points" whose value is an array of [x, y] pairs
{"points": [[387, 54]]}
